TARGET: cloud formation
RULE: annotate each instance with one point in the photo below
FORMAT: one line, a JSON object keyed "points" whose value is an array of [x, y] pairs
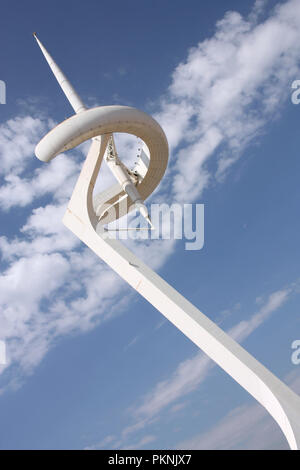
{"points": [[246, 427], [167, 395], [230, 87], [223, 96]]}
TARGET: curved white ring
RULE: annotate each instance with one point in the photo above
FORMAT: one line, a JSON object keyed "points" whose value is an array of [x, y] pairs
{"points": [[107, 120]]}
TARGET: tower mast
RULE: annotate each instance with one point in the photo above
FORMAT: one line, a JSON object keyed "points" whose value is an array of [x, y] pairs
{"points": [[72, 96], [278, 399], [114, 164]]}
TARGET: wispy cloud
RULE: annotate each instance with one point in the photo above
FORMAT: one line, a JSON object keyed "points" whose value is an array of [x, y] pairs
{"points": [[223, 96], [243, 329], [229, 88], [17, 142], [244, 427], [192, 372]]}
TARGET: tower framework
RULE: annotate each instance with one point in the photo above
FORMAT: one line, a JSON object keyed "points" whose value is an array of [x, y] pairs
{"points": [[82, 218]]}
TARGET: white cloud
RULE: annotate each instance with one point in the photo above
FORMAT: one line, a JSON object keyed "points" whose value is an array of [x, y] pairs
{"points": [[47, 290], [226, 92], [186, 378], [192, 372], [245, 427], [45, 296], [17, 142], [102, 444], [56, 179], [141, 443], [23, 286], [243, 329], [223, 95]]}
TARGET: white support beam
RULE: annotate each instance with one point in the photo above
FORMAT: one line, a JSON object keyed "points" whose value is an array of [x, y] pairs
{"points": [[280, 401], [98, 124]]}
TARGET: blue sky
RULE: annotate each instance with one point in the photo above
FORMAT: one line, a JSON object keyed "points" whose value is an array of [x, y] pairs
{"points": [[90, 363]]}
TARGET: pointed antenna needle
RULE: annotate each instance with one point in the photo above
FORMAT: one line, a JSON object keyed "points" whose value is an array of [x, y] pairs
{"points": [[72, 96]]}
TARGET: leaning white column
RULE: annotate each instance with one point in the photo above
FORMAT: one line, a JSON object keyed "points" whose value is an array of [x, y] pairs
{"points": [[280, 401]]}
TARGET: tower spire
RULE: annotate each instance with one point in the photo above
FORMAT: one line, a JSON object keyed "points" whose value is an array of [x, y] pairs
{"points": [[72, 96], [113, 163]]}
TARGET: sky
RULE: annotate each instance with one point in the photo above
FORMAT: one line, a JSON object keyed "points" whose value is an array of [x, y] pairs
{"points": [[91, 364]]}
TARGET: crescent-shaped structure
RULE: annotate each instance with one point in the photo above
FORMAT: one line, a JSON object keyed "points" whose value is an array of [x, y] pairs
{"points": [[106, 120], [82, 218]]}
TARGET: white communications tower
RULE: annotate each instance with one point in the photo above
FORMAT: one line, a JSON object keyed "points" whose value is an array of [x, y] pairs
{"points": [[86, 217]]}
